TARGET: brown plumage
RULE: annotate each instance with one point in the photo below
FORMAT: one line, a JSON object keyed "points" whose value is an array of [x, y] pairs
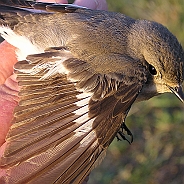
{"points": [[80, 71]]}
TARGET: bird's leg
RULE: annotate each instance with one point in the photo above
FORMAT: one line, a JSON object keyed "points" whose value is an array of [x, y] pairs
{"points": [[120, 135]]}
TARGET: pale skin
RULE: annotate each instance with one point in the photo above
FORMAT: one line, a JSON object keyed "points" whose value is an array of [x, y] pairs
{"points": [[8, 85]]}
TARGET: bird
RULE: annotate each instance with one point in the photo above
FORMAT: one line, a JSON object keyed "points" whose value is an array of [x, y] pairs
{"points": [[79, 72]]}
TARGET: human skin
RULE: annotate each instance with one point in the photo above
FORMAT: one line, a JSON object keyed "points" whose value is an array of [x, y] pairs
{"points": [[8, 85]]}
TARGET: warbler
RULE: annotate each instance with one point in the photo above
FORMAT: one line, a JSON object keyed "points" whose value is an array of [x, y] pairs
{"points": [[79, 72]]}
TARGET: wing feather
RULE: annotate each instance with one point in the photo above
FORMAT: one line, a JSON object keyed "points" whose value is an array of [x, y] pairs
{"points": [[65, 121]]}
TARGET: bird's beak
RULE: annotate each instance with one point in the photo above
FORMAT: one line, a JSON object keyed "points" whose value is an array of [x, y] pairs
{"points": [[178, 92]]}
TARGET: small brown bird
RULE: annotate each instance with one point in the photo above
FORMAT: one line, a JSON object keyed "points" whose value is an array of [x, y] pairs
{"points": [[79, 71]]}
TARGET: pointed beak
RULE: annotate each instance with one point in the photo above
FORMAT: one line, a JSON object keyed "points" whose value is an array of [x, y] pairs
{"points": [[178, 92]]}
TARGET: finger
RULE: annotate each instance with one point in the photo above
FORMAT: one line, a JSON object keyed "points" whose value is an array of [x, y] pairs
{"points": [[7, 60], [2, 148], [8, 101], [54, 1], [93, 4]]}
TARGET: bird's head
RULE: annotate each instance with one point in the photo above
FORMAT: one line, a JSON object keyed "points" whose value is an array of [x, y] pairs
{"points": [[163, 56]]}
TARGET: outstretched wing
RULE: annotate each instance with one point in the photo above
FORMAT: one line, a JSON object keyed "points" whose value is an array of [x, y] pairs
{"points": [[66, 118], [68, 113]]}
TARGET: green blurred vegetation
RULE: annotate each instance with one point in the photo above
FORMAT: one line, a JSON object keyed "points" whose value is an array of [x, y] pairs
{"points": [[157, 153]]}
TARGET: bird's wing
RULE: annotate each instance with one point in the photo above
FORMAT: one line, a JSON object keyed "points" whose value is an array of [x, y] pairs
{"points": [[18, 3], [66, 118], [32, 4], [12, 8]]}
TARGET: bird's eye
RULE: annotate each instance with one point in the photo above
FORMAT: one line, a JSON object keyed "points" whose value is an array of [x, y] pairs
{"points": [[152, 70]]}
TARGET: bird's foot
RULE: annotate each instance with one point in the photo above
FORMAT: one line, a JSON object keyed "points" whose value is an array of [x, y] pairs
{"points": [[122, 136]]}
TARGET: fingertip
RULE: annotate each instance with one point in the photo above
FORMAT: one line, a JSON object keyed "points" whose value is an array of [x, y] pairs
{"points": [[6, 116], [62, 1], [54, 1], [93, 4], [2, 148], [7, 60]]}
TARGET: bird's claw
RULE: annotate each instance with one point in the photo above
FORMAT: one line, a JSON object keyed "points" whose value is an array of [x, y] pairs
{"points": [[121, 135]]}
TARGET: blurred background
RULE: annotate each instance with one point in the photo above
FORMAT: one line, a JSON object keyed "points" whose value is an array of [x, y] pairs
{"points": [[157, 154]]}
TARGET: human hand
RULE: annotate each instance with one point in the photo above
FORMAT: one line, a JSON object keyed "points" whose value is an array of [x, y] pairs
{"points": [[8, 85]]}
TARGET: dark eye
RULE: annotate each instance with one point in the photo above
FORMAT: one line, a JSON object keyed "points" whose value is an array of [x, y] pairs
{"points": [[152, 70]]}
